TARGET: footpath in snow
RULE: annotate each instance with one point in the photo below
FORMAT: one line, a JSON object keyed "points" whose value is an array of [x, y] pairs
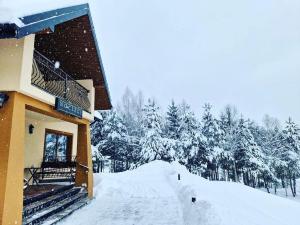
{"points": [[152, 194]]}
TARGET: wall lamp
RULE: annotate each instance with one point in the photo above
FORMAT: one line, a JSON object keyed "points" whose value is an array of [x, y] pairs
{"points": [[3, 98], [31, 128]]}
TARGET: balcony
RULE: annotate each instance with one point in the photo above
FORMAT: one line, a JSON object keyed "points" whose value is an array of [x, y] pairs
{"points": [[50, 78]]}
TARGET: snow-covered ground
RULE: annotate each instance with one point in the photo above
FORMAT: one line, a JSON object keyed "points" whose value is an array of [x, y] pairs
{"points": [[152, 194]]}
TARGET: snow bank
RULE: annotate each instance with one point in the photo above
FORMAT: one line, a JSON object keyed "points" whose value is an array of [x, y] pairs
{"points": [[152, 194]]}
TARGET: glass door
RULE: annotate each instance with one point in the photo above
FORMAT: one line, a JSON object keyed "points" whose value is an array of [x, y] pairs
{"points": [[57, 146]]}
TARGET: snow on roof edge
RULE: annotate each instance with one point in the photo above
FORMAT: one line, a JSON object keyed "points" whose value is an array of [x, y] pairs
{"points": [[11, 11]]}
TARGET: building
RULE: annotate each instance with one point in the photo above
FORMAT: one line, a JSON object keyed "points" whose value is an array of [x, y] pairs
{"points": [[51, 81]]}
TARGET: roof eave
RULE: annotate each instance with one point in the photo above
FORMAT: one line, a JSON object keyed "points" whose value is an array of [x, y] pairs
{"points": [[100, 59]]}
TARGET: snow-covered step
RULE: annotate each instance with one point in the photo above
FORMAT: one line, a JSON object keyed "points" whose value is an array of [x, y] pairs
{"points": [[40, 217], [47, 194], [43, 204], [55, 180], [67, 212]]}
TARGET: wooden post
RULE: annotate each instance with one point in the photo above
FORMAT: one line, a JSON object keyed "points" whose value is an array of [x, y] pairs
{"points": [[12, 133], [84, 169]]}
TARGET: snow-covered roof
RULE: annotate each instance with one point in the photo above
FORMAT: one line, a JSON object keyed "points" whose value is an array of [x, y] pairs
{"points": [[18, 22], [12, 10]]}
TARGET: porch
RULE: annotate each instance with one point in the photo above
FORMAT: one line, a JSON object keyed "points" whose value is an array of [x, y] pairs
{"points": [[55, 145], [50, 152], [50, 149]]}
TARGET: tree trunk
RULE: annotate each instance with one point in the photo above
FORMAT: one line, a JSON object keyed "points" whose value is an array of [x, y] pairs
{"points": [[101, 166], [236, 179], [294, 184], [291, 185], [266, 186]]}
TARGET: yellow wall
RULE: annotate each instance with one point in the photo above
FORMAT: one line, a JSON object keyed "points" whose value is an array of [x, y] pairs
{"points": [[11, 57], [34, 143], [88, 84]]}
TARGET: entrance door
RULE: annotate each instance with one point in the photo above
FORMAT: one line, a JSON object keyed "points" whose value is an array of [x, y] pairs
{"points": [[58, 146]]}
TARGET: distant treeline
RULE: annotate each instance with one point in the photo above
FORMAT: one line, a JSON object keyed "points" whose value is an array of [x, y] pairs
{"points": [[228, 147]]}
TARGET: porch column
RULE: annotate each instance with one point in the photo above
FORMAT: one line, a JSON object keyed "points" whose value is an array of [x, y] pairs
{"points": [[12, 128], [84, 169]]}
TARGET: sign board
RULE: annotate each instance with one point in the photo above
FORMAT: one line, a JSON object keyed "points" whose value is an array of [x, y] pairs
{"points": [[66, 107]]}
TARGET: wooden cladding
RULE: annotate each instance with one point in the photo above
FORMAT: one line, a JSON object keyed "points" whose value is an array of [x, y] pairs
{"points": [[73, 45]]}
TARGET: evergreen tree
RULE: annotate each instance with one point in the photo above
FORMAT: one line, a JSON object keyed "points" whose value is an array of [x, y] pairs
{"points": [[115, 141], [194, 152], [214, 136], [247, 154], [151, 143], [290, 153], [173, 122], [97, 128]]}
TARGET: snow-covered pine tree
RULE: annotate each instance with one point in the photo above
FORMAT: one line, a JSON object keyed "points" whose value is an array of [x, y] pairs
{"points": [[173, 122], [229, 117], [211, 130], [115, 141], [291, 153], [96, 137], [228, 123], [151, 143], [97, 128], [247, 154], [194, 152]]}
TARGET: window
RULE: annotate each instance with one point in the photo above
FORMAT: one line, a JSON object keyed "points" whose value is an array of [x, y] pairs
{"points": [[58, 146]]}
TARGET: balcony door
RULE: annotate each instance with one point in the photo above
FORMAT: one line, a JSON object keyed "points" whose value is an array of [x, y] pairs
{"points": [[58, 146]]}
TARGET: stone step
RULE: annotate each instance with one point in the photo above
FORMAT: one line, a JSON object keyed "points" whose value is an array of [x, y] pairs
{"points": [[52, 211], [45, 203], [47, 194]]}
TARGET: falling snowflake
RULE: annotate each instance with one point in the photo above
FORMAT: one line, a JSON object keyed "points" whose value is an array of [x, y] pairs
{"points": [[57, 65]]}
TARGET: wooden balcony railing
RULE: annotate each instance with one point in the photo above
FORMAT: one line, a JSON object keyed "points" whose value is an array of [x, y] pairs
{"points": [[55, 81]]}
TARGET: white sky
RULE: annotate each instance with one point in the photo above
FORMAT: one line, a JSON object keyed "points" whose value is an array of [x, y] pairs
{"points": [[244, 53]]}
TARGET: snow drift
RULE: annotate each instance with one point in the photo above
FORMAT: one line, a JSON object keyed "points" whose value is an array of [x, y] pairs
{"points": [[152, 194]]}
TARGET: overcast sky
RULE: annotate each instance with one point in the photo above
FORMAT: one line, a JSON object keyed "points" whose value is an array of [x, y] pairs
{"points": [[244, 53]]}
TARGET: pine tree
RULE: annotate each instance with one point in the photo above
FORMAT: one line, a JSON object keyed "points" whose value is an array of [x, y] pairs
{"points": [[115, 142], [151, 143], [97, 128], [290, 153], [213, 133], [173, 122], [194, 147], [247, 154], [210, 127]]}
